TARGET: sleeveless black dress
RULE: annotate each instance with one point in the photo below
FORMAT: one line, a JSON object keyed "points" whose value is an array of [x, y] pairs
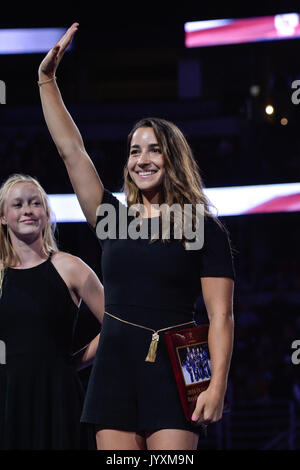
{"points": [[154, 285], [41, 396]]}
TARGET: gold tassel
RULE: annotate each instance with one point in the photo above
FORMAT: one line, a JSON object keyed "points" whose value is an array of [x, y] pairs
{"points": [[151, 356]]}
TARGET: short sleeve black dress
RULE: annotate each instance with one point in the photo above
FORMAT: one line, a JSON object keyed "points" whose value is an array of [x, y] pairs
{"points": [[41, 396], [154, 285]]}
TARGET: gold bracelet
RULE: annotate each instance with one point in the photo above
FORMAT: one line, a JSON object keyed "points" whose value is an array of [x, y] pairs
{"points": [[47, 81]]}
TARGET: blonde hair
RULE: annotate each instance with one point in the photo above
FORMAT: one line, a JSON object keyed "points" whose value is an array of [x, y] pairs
{"points": [[8, 256], [182, 183]]}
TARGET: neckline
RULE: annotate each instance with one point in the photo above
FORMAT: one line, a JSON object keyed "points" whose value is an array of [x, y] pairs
{"points": [[28, 269]]}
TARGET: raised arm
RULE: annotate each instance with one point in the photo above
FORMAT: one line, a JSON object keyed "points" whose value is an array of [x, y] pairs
{"points": [[65, 134], [218, 299]]}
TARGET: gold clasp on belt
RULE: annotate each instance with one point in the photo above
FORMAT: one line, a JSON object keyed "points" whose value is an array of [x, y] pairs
{"points": [[151, 356]]}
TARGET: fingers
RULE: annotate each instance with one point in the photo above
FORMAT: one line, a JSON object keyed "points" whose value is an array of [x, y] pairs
{"points": [[54, 56], [203, 412], [206, 415], [66, 39], [198, 413], [198, 418]]}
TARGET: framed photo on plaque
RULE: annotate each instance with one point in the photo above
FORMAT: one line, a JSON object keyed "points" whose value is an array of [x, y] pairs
{"points": [[190, 359]]}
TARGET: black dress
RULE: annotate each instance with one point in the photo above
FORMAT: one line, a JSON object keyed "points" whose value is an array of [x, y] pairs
{"points": [[154, 285], [41, 396]]}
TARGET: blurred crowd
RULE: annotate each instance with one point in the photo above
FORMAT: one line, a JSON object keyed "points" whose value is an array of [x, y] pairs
{"points": [[262, 154]]}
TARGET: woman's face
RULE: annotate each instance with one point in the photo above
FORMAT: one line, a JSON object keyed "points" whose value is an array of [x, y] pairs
{"points": [[24, 212], [146, 161]]}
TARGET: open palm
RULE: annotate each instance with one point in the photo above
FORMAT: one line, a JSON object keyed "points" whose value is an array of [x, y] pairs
{"points": [[50, 63]]}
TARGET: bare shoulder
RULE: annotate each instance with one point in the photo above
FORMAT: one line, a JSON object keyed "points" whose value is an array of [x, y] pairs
{"points": [[65, 258], [74, 271], [68, 262]]}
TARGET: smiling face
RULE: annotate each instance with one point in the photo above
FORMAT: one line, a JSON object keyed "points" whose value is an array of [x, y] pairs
{"points": [[146, 161], [24, 212]]}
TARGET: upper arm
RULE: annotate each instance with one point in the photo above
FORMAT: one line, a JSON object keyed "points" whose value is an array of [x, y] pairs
{"points": [[86, 284], [90, 289], [81, 281], [217, 270], [86, 184], [217, 295]]}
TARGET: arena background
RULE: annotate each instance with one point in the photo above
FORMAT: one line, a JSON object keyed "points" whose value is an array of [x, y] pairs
{"points": [[128, 62]]}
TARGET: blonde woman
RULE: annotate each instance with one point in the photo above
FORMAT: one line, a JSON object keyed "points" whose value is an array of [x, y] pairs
{"points": [[150, 283], [41, 289]]}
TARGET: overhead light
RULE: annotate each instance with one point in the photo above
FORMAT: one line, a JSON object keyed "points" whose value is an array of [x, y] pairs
{"points": [[269, 109]]}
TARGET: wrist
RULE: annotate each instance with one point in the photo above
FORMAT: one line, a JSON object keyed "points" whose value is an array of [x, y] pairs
{"points": [[45, 76], [218, 389], [47, 80]]}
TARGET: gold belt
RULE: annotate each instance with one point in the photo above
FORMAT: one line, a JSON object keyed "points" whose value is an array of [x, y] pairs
{"points": [[151, 356]]}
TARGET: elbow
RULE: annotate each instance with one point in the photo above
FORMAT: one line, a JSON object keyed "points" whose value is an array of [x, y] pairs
{"points": [[68, 150], [225, 316]]}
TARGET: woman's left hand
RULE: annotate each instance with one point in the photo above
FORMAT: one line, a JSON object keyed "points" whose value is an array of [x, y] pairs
{"points": [[209, 407]]}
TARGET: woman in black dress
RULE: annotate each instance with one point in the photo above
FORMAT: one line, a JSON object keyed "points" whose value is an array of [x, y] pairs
{"points": [[41, 288], [149, 285]]}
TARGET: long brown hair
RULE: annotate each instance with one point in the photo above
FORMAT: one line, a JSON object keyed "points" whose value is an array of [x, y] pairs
{"points": [[8, 256], [182, 183]]}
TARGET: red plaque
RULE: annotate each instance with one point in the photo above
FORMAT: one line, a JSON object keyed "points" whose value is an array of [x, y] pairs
{"points": [[190, 359]]}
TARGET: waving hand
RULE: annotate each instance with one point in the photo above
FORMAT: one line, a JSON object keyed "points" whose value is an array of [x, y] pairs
{"points": [[48, 66]]}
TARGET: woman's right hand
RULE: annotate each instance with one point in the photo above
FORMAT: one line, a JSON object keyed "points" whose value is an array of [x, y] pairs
{"points": [[49, 64], [66, 135]]}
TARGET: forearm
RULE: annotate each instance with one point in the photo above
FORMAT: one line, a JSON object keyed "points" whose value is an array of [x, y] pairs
{"points": [[220, 341], [85, 356], [62, 128]]}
